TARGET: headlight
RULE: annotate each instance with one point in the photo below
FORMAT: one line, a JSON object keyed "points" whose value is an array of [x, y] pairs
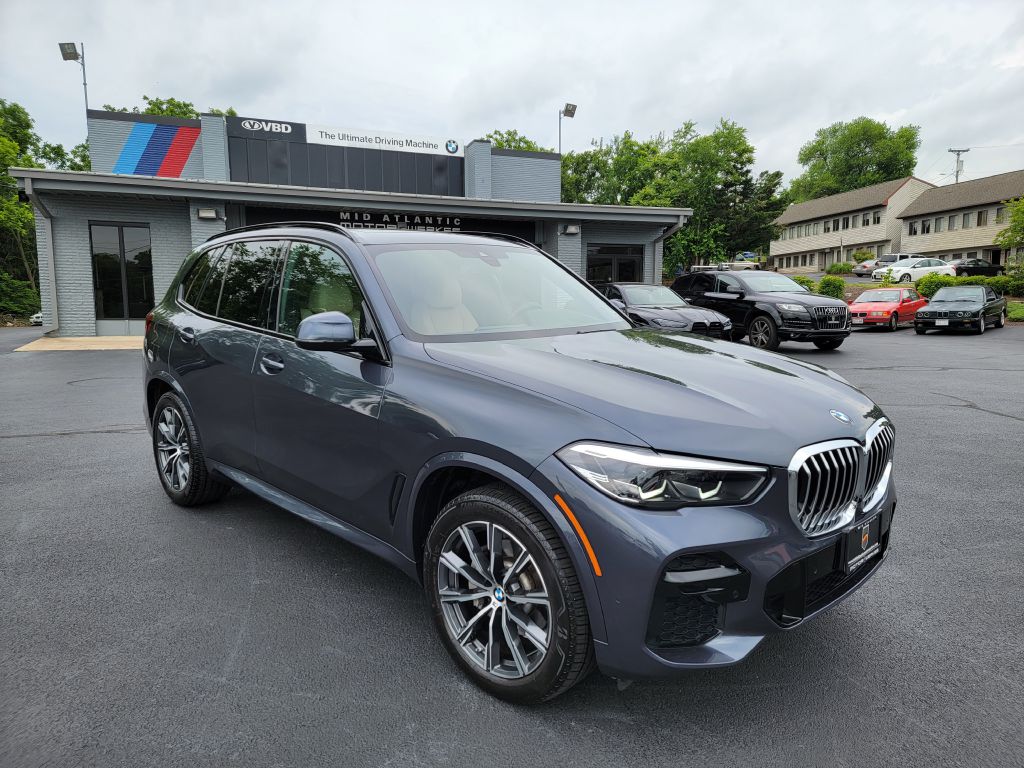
{"points": [[878, 314], [792, 307], [671, 323], [641, 477]]}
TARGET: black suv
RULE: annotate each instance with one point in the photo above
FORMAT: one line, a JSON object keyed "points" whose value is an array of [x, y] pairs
{"points": [[570, 490], [768, 307]]}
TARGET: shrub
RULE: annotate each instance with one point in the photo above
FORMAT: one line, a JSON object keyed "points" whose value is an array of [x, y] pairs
{"points": [[930, 283], [17, 297], [861, 255], [806, 282], [1006, 285], [832, 286], [840, 268]]}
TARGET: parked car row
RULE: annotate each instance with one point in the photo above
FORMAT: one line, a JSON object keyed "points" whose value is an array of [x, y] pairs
{"points": [[895, 261], [970, 307], [909, 270]]}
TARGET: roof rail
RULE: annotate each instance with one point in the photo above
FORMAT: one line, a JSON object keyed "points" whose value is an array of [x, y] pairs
{"points": [[313, 224], [502, 236]]}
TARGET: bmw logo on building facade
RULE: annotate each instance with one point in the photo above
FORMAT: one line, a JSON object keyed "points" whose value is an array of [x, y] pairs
{"points": [[452, 146], [840, 416]]}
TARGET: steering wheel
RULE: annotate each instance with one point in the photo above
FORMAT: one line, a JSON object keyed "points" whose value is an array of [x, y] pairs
{"points": [[517, 315]]}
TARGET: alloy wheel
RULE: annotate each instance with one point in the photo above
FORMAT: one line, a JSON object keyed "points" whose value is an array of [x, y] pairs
{"points": [[172, 448], [760, 333], [893, 322], [494, 601]]}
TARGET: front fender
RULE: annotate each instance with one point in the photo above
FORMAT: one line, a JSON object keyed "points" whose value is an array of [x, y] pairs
{"points": [[405, 520]]}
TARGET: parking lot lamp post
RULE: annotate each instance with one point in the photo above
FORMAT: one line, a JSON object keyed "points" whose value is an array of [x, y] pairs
{"points": [[69, 52], [569, 110]]}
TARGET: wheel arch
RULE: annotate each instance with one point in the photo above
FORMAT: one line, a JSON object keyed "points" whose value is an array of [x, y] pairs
{"points": [[157, 386], [450, 474]]}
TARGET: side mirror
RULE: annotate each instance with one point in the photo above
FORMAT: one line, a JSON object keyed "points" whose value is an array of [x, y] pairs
{"points": [[618, 304], [326, 332]]}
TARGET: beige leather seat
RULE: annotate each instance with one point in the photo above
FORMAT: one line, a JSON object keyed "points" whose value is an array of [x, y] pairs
{"points": [[439, 310]]}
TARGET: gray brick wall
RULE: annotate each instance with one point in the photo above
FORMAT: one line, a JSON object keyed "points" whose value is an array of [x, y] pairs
{"points": [[214, 140], [203, 229], [570, 249], [478, 170], [106, 137], [515, 177], [170, 236], [42, 243]]}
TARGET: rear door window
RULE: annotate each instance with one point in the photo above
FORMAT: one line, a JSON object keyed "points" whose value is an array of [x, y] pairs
{"points": [[247, 282]]}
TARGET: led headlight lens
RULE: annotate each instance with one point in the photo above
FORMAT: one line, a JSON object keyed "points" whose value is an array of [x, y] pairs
{"points": [[792, 307], [875, 313], [641, 477]]}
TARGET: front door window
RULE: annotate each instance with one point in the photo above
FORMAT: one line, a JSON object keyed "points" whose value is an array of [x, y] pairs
{"points": [[615, 263], [122, 268]]}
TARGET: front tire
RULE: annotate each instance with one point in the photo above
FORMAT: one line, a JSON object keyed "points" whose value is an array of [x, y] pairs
{"points": [[827, 344], [920, 331], [894, 322], [1001, 320], [505, 597], [763, 333], [981, 324], [179, 456], [906, 278]]}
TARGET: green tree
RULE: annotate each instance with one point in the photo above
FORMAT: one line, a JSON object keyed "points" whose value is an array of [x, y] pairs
{"points": [[170, 107], [610, 174], [513, 139], [17, 126], [845, 156], [1012, 237], [56, 156]]}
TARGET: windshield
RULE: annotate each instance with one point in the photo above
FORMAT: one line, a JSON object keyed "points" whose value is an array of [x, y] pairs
{"points": [[869, 296], [650, 296], [769, 282], [470, 290], [960, 293], [904, 262]]}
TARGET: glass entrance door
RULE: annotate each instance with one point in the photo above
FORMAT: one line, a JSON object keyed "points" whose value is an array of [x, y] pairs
{"points": [[122, 269], [615, 263]]}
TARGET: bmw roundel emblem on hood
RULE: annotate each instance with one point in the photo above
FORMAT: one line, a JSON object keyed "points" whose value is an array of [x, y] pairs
{"points": [[840, 416], [452, 146]]}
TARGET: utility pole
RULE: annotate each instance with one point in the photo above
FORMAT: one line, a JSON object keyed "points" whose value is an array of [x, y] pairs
{"points": [[959, 162]]}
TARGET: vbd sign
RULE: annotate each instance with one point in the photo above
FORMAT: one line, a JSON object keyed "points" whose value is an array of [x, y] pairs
{"points": [[273, 130]]}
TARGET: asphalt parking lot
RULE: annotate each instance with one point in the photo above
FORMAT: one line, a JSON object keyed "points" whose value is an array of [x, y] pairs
{"points": [[136, 633]]}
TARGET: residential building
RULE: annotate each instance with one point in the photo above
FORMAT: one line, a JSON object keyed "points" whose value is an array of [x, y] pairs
{"points": [[821, 232], [962, 220]]}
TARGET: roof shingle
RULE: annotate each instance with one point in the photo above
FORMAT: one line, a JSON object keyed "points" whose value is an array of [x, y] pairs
{"points": [[844, 202], [967, 194]]}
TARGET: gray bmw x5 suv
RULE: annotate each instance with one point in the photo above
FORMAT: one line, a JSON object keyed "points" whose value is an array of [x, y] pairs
{"points": [[570, 490]]}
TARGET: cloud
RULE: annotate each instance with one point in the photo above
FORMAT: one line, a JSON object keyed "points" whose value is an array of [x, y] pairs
{"points": [[782, 70]]}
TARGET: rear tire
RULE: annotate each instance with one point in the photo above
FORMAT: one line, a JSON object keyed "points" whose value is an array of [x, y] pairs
{"points": [[828, 344], [763, 333], [487, 602], [179, 456]]}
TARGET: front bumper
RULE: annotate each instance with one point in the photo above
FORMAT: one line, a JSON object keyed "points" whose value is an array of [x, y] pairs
{"points": [[702, 587], [789, 333], [947, 323]]}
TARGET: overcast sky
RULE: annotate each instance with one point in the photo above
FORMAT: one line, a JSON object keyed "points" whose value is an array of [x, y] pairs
{"points": [[780, 69]]}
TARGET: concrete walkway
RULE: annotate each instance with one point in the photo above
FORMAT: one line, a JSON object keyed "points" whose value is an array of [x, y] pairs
{"points": [[77, 343]]}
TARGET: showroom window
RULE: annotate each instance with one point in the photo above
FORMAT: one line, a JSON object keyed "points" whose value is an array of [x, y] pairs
{"points": [[615, 263], [122, 271]]}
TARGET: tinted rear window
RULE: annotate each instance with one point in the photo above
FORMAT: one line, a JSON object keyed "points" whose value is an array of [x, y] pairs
{"points": [[208, 296], [249, 275], [193, 283]]}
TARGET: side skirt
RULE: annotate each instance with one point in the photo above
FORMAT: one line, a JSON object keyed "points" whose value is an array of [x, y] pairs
{"points": [[321, 519]]}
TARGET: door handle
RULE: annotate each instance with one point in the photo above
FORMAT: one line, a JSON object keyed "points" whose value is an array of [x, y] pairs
{"points": [[271, 364], [187, 335]]}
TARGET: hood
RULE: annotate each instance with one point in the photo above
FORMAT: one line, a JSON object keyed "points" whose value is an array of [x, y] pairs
{"points": [[952, 306], [683, 315], [678, 392], [798, 297], [874, 306]]}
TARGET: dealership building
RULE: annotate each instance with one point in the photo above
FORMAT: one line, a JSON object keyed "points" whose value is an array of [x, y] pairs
{"points": [[111, 240]]}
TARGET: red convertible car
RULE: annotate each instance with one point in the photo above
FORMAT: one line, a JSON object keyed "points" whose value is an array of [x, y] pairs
{"points": [[886, 306]]}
